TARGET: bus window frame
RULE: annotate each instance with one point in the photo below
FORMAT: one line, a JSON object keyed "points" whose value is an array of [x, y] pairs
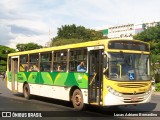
{"points": [[37, 63], [26, 63], [77, 61], [58, 62], [49, 60]]}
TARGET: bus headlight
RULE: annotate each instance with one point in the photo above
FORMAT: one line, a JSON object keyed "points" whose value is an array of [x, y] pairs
{"points": [[114, 92], [148, 91]]}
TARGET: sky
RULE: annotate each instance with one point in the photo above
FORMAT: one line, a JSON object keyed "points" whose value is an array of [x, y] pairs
{"points": [[24, 21]]}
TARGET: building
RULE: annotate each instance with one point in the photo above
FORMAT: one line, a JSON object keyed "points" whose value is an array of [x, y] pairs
{"points": [[127, 30], [121, 31]]}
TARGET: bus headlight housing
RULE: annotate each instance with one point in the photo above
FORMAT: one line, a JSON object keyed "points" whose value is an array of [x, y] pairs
{"points": [[114, 92], [148, 92]]}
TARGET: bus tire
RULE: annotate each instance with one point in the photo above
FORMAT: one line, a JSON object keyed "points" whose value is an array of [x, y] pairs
{"points": [[77, 100], [26, 91]]}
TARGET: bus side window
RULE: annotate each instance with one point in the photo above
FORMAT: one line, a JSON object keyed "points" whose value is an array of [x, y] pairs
{"points": [[23, 63], [60, 59], [76, 56], [34, 62], [46, 61]]}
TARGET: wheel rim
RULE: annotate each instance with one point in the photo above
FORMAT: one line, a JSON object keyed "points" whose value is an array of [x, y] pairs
{"points": [[77, 99]]}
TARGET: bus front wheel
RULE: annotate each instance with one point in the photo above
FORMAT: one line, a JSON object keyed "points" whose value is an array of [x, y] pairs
{"points": [[77, 100], [26, 91]]}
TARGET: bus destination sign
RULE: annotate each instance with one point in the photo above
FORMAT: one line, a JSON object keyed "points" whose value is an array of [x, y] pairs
{"points": [[128, 45]]}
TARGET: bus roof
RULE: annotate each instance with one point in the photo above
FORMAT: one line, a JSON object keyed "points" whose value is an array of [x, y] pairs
{"points": [[68, 46]]}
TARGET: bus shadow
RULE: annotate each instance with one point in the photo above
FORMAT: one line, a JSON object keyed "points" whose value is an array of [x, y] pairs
{"points": [[47, 100], [52, 101], [19, 95], [141, 108], [104, 111]]}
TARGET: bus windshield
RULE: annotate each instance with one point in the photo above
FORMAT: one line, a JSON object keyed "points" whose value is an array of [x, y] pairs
{"points": [[129, 67]]}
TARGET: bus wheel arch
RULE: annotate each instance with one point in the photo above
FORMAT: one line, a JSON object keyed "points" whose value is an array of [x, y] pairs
{"points": [[26, 90], [76, 97], [73, 88]]}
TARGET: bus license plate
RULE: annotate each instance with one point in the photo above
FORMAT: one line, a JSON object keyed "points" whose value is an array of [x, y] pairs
{"points": [[134, 99]]}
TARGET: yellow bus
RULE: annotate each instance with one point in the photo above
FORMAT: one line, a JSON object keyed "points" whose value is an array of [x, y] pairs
{"points": [[116, 72]]}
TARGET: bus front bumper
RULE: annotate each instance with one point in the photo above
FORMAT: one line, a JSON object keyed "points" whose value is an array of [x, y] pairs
{"points": [[111, 99]]}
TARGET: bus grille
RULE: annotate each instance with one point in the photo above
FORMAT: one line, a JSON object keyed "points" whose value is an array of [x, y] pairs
{"points": [[133, 85], [129, 100], [141, 93]]}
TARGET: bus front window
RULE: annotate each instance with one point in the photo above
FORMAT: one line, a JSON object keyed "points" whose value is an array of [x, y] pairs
{"points": [[125, 67], [142, 67]]}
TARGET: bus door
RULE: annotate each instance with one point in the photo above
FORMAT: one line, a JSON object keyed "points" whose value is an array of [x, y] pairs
{"points": [[14, 72], [95, 63]]}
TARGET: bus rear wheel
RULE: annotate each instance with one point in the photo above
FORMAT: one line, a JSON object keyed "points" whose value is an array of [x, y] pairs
{"points": [[77, 100], [26, 91]]}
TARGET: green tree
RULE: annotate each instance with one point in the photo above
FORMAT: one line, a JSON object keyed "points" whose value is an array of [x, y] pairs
{"points": [[68, 34], [28, 46], [152, 36], [3, 56]]}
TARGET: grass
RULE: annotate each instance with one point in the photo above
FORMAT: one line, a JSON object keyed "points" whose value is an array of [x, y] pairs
{"points": [[157, 87]]}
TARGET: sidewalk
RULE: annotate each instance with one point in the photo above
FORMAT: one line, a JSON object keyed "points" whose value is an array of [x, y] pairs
{"points": [[4, 90], [156, 93]]}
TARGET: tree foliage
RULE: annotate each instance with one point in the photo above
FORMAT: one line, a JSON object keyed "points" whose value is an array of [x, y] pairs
{"points": [[151, 35], [3, 56], [28, 46], [68, 34]]}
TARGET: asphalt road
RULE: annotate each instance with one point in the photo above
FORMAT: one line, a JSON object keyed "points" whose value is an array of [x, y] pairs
{"points": [[64, 110]]}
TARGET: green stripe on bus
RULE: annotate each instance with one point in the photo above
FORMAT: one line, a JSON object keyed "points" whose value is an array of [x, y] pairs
{"points": [[55, 78]]}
